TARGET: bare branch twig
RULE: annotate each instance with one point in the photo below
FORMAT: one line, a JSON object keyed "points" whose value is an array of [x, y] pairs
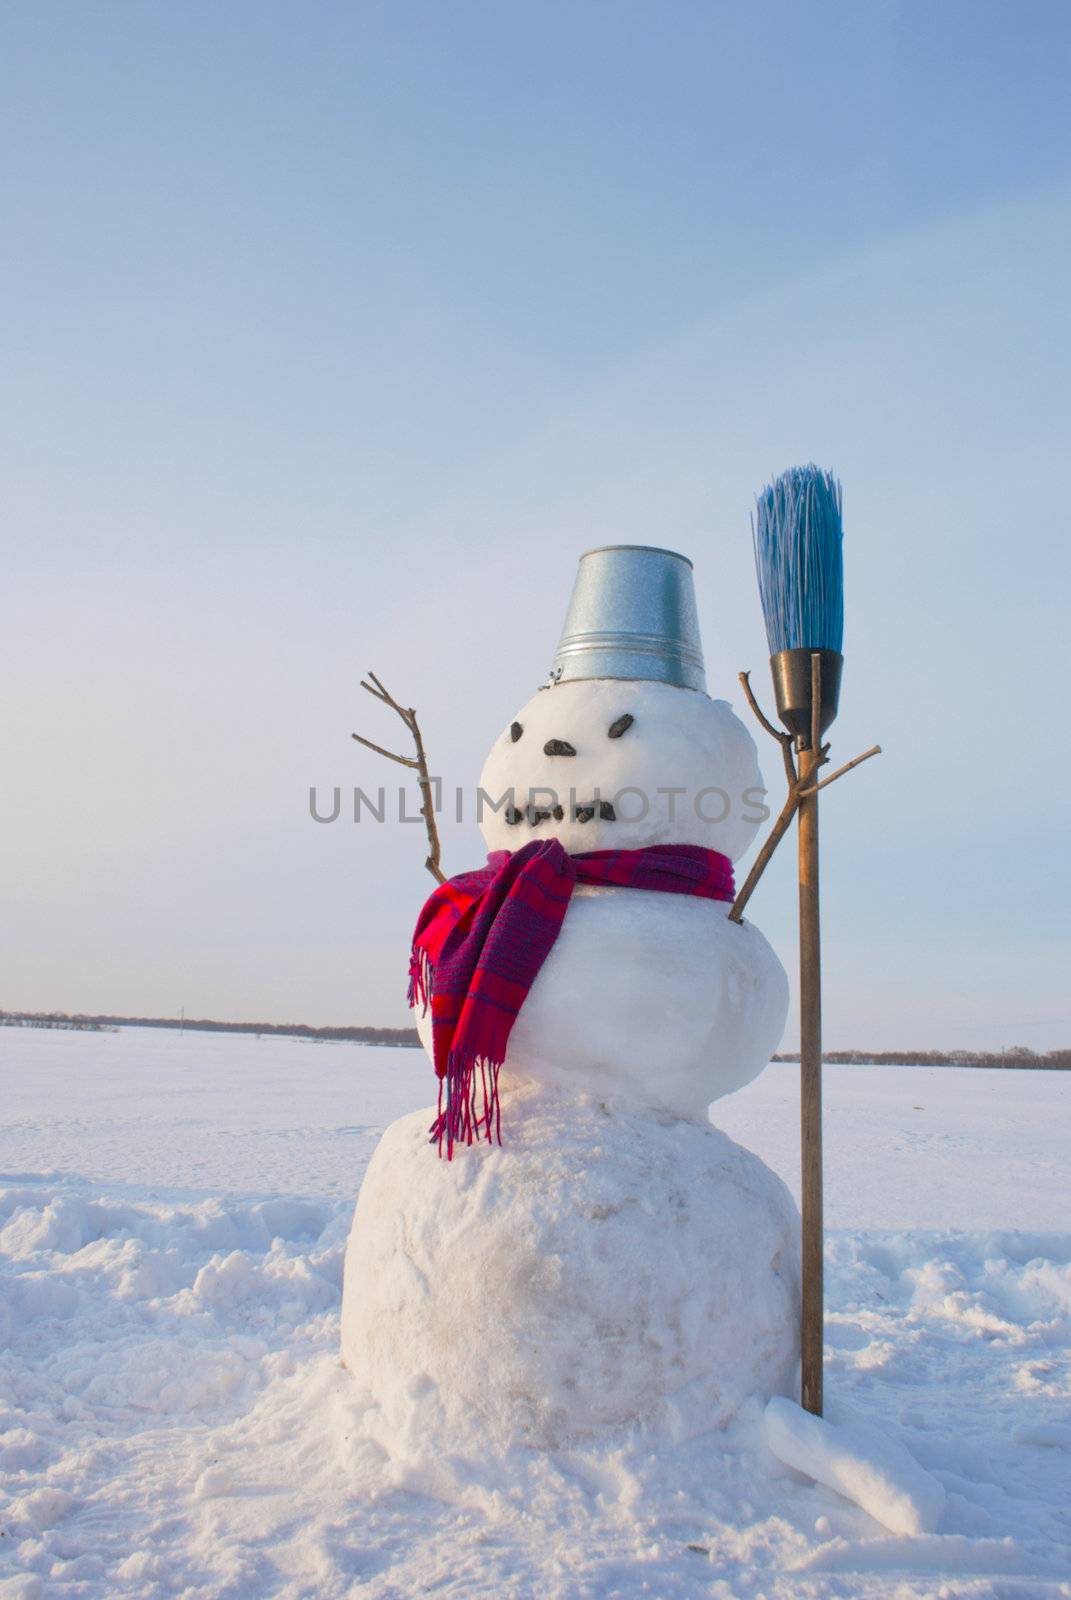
{"points": [[788, 810], [419, 765], [796, 793], [379, 692], [783, 739], [760, 715], [404, 761], [762, 860], [875, 750]]}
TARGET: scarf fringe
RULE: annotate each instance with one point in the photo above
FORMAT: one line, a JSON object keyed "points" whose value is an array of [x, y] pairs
{"points": [[460, 1119], [419, 979]]}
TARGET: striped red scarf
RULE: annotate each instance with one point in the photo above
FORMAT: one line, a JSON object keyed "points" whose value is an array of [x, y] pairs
{"points": [[482, 938]]}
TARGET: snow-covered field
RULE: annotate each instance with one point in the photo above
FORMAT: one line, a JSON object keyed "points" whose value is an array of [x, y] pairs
{"points": [[174, 1420]]}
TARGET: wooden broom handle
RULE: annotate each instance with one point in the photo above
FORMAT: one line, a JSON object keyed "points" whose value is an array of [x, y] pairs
{"points": [[812, 1338], [802, 798]]}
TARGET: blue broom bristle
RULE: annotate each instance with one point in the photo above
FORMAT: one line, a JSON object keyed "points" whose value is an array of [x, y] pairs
{"points": [[799, 539]]}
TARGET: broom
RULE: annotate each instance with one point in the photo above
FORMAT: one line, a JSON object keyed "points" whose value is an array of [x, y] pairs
{"points": [[798, 535]]}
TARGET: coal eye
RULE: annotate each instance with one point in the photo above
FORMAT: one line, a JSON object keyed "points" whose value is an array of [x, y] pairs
{"points": [[515, 731], [622, 725]]}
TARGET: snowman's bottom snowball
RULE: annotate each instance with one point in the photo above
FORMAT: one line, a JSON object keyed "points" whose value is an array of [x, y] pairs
{"points": [[600, 1270]]}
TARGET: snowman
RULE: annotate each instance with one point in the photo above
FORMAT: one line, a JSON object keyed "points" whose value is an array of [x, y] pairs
{"points": [[577, 1250]]}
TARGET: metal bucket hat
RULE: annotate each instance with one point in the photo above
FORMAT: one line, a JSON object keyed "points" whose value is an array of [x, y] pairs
{"points": [[632, 615]]}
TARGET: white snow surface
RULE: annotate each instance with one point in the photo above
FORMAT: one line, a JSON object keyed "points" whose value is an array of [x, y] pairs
{"points": [[860, 1461], [175, 1421]]}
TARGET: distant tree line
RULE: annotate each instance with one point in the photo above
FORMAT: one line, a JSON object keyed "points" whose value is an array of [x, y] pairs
{"points": [[1016, 1056], [49, 1019], [297, 1030]]}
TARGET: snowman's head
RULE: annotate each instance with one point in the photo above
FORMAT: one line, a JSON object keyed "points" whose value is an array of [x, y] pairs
{"points": [[617, 763]]}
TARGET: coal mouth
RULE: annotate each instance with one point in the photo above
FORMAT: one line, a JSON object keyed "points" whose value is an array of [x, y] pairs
{"points": [[592, 808], [582, 811]]}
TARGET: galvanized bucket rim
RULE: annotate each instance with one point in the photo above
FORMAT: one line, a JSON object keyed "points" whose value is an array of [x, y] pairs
{"points": [[651, 644], [653, 549]]}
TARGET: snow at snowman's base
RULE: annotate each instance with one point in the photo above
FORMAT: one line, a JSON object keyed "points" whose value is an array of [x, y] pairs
{"points": [[604, 1269], [861, 1462], [175, 1423]]}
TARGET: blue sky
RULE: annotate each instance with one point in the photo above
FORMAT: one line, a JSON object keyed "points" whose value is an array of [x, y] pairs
{"points": [[333, 334]]}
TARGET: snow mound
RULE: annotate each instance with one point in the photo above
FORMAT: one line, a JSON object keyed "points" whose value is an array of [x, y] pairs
{"points": [[602, 1270], [860, 1462], [251, 1471]]}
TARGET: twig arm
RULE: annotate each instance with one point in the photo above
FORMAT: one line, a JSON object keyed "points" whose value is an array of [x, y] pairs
{"points": [[757, 711], [418, 764], [403, 761], [788, 811], [762, 860], [376, 688], [783, 739], [428, 804], [875, 750], [798, 789]]}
